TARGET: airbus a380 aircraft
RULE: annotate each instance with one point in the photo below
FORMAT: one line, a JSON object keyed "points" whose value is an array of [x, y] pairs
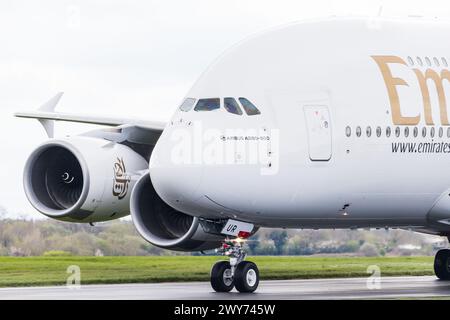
{"points": [[336, 123]]}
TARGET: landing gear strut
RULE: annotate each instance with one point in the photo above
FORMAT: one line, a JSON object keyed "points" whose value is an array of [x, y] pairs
{"points": [[243, 275]]}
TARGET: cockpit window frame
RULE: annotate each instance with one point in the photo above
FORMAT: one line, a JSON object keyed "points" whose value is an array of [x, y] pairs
{"points": [[208, 109], [236, 106], [248, 104], [188, 104]]}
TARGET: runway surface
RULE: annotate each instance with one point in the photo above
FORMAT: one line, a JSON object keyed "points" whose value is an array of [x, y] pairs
{"points": [[349, 288]]}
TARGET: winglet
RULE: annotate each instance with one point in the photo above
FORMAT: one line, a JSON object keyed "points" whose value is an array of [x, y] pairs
{"points": [[49, 106]]}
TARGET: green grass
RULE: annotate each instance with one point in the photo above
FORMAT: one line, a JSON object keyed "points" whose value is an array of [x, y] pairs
{"points": [[39, 271]]}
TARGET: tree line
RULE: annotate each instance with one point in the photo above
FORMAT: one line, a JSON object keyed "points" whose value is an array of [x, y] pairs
{"points": [[21, 237]]}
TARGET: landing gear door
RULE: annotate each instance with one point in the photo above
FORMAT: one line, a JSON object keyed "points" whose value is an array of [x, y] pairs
{"points": [[318, 124]]}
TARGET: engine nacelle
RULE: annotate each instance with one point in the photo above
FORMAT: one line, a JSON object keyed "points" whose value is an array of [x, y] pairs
{"points": [[82, 179], [165, 227]]}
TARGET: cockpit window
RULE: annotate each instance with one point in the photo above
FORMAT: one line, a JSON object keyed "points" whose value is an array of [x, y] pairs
{"points": [[249, 107], [187, 104], [207, 104], [232, 106]]}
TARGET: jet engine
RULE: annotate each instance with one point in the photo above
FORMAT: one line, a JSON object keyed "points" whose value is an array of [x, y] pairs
{"points": [[82, 178], [165, 227]]}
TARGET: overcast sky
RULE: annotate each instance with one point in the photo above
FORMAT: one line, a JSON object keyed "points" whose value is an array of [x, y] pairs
{"points": [[130, 58]]}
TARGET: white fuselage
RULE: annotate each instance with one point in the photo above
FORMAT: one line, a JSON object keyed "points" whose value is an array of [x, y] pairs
{"points": [[311, 81]]}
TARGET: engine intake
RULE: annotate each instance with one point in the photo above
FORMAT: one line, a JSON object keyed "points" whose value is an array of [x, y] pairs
{"points": [[165, 227], [55, 181], [60, 177]]}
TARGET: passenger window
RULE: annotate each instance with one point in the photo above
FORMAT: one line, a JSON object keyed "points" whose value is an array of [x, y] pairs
{"points": [[379, 132], [187, 104], [406, 132], [424, 132], [419, 61], [207, 104], [432, 131], [348, 131], [358, 131], [410, 61], [436, 61], [441, 132], [416, 132], [249, 107], [232, 106], [388, 132], [397, 132], [369, 131]]}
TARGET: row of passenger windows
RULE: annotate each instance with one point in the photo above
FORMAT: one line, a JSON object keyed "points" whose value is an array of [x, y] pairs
{"points": [[230, 104], [397, 132], [428, 61]]}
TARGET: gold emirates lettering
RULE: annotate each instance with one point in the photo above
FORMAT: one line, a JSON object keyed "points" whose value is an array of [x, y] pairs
{"points": [[393, 82]]}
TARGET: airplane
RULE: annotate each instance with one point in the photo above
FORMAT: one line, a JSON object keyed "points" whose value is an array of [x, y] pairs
{"points": [[333, 123]]}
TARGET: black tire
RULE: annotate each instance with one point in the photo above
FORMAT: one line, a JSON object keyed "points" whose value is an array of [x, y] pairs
{"points": [[246, 277], [442, 264], [220, 277]]}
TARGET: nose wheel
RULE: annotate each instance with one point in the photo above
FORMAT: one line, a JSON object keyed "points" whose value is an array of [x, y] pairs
{"points": [[246, 276], [239, 274], [222, 277], [442, 264]]}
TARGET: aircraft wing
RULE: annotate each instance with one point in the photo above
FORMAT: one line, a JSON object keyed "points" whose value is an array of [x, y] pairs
{"points": [[46, 115]]}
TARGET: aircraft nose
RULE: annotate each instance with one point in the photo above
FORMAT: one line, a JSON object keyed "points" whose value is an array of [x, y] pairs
{"points": [[175, 182]]}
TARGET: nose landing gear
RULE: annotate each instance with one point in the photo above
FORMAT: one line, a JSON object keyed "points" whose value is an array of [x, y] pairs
{"points": [[243, 275]]}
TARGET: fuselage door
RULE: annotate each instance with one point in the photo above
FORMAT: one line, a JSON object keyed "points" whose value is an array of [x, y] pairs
{"points": [[319, 132]]}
